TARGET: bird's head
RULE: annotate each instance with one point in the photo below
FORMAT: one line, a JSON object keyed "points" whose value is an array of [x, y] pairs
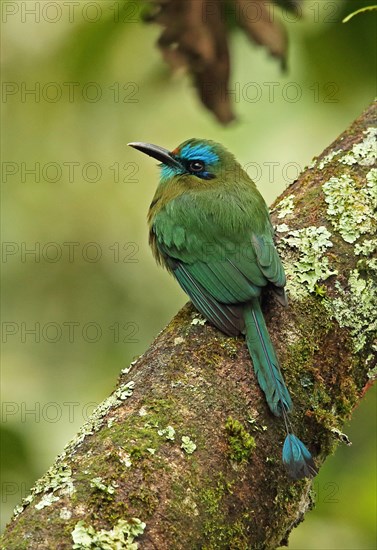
{"points": [[199, 160]]}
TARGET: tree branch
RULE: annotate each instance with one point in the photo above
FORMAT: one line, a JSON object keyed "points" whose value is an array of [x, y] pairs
{"points": [[186, 444]]}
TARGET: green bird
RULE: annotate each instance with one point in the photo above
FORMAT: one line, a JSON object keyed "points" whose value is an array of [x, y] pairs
{"points": [[210, 227]]}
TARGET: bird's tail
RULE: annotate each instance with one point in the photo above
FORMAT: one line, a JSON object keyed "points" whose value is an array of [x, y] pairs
{"points": [[296, 457]]}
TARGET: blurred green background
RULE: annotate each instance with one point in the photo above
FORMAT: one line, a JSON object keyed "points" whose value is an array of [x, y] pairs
{"points": [[91, 290]]}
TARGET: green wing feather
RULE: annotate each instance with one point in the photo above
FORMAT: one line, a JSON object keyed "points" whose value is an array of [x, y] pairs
{"points": [[268, 259], [224, 281], [232, 265], [216, 257], [226, 317]]}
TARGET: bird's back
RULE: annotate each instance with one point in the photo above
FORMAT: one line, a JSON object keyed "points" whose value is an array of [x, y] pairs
{"points": [[192, 223]]}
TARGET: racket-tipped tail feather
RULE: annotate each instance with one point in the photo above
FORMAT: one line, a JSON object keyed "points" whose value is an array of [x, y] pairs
{"points": [[297, 459]]}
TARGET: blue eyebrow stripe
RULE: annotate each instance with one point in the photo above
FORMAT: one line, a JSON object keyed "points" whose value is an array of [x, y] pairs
{"points": [[202, 152]]}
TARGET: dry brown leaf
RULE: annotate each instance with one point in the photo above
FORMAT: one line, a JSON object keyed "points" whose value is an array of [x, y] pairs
{"points": [[195, 36], [262, 27]]}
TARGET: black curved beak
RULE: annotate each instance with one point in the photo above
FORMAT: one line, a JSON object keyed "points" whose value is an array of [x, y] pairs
{"points": [[157, 152]]}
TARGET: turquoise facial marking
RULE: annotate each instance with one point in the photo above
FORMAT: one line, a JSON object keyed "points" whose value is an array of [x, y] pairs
{"points": [[168, 172], [191, 151]]}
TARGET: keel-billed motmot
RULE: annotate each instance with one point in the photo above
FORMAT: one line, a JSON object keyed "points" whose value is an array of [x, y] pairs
{"points": [[210, 227]]}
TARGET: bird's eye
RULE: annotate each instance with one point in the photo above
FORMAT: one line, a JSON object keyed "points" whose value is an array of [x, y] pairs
{"points": [[196, 166]]}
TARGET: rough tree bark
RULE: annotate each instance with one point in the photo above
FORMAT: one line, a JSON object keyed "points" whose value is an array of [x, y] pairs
{"points": [[186, 444]]}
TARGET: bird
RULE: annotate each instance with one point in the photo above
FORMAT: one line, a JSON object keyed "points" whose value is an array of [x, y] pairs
{"points": [[210, 227]]}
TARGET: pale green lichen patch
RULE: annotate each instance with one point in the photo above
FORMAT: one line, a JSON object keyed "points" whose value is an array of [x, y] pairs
{"points": [[372, 373], [355, 308], [126, 370], [97, 483], [372, 179], [56, 482], [96, 419], [122, 535], [168, 433], [124, 457], [46, 500], [282, 228], [255, 426], [313, 163], [366, 248], [65, 514], [364, 152], [306, 261], [341, 436], [58, 479], [328, 158], [285, 206], [351, 209], [198, 321], [25, 502], [188, 445]]}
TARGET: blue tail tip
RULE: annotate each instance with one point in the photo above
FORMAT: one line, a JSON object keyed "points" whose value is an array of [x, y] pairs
{"points": [[297, 459]]}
